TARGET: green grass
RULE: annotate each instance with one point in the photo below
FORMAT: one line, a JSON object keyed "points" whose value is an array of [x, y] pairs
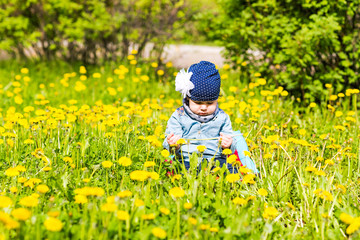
{"points": [[76, 126]]}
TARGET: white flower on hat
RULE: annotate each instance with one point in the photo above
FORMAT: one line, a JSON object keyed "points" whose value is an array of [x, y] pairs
{"points": [[183, 83]]}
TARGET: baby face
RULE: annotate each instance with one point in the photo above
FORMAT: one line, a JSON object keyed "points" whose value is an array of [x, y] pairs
{"points": [[202, 108]]}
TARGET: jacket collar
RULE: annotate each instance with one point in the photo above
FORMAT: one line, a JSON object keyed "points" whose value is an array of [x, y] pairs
{"points": [[202, 119]]}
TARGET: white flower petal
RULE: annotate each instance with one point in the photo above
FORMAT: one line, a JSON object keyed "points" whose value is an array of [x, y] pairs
{"points": [[183, 83]]}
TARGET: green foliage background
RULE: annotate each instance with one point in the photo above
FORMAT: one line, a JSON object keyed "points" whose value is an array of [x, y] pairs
{"points": [[303, 44], [88, 30], [300, 45]]}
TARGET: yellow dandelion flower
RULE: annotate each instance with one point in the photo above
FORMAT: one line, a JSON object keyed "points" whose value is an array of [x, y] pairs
{"points": [[244, 170], [82, 70], [176, 192], [270, 213], [42, 188], [239, 201], [226, 66], [86, 180], [181, 141], [328, 85], [53, 214], [13, 189], [81, 199], [216, 169], [346, 218], [53, 224], [159, 233], [125, 161], [139, 175], [21, 214], [90, 191], [249, 178], [122, 215], [165, 153], [302, 132], [139, 203], [5, 202], [310, 169], [107, 164], [67, 159], [24, 70], [320, 173], [231, 159], [201, 148], [149, 164], [8, 221], [338, 114], [247, 153], [160, 72], [109, 207], [21, 180], [21, 168], [154, 175], [342, 188], [124, 194], [353, 227], [96, 75], [12, 172], [188, 205], [165, 211], [227, 151], [312, 105], [333, 97], [262, 192], [231, 178], [29, 201], [192, 221], [150, 216], [204, 226], [290, 206]]}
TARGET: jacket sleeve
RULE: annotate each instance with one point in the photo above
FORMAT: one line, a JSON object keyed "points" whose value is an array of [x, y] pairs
{"points": [[173, 126]]}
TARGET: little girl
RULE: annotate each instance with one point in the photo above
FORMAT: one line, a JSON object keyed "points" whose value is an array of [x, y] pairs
{"points": [[200, 117]]}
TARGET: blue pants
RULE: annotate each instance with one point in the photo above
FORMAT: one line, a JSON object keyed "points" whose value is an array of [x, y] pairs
{"points": [[222, 162]]}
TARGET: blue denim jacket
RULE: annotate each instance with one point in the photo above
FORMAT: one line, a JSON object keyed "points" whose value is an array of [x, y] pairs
{"points": [[180, 123]]}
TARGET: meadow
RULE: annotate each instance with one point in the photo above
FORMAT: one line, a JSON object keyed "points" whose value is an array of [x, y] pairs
{"points": [[82, 158]]}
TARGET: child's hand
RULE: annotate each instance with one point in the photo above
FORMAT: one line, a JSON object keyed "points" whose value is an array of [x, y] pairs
{"points": [[172, 139], [226, 140]]}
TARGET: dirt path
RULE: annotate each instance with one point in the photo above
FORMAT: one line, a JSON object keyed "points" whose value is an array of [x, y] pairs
{"points": [[182, 56]]}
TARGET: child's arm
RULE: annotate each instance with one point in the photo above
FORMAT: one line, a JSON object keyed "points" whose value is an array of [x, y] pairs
{"points": [[172, 140], [225, 134], [173, 131], [226, 140]]}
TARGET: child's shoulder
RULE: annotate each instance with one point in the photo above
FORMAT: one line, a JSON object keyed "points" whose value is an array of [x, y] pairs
{"points": [[180, 111], [222, 113]]}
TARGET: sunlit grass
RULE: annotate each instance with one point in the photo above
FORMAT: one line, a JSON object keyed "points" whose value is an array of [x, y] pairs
{"points": [[82, 158]]}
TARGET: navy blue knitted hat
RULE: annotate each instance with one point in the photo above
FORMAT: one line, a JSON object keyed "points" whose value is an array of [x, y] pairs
{"points": [[206, 80]]}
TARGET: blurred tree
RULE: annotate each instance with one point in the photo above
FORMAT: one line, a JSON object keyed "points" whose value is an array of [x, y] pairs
{"points": [[88, 29], [301, 44]]}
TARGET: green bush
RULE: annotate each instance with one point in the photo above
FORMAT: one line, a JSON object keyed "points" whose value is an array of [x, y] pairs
{"points": [[88, 30], [303, 44]]}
